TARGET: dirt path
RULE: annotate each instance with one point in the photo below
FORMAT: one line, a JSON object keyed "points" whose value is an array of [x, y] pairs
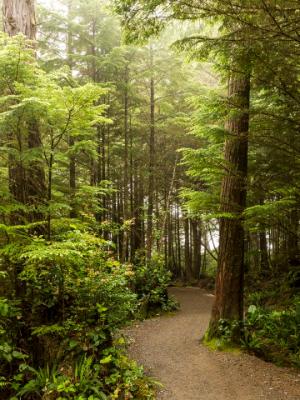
{"points": [[169, 349]]}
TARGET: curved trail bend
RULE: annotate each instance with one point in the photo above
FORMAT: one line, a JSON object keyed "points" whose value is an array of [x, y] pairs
{"points": [[169, 349]]}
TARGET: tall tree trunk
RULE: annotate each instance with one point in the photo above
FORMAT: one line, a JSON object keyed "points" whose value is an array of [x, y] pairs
{"points": [[187, 253], [126, 165], [99, 170], [178, 242], [263, 247], [103, 200], [263, 250], [171, 261], [151, 161], [132, 192], [164, 230], [72, 179], [114, 218], [205, 245], [293, 239], [293, 228], [158, 223], [138, 203], [228, 303], [196, 235], [72, 159], [120, 208]]}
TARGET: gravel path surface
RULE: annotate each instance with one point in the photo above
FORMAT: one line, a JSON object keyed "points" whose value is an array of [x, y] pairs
{"points": [[169, 349]]}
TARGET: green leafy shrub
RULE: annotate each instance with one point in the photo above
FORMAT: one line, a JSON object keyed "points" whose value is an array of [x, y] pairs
{"points": [[76, 290], [274, 335], [151, 284], [10, 353], [114, 376], [270, 334], [75, 296]]}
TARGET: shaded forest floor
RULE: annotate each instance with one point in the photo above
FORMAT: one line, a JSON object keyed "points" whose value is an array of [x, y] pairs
{"points": [[169, 349]]}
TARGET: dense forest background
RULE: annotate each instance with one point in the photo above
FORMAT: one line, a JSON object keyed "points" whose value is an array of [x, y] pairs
{"points": [[113, 119]]}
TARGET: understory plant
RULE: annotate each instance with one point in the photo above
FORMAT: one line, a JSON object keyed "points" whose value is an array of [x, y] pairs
{"points": [[151, 281], [114, 376], [273, 335], [57, 340]]}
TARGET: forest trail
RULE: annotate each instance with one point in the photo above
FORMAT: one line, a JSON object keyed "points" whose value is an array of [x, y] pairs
{"points": [[169, 349]]}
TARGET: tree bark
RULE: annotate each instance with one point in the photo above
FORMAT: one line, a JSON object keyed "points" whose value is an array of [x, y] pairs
{"points": [[151, 162], [126, 164], [138, 200], [196, 234], [19, 17], [72, 179], [293, 239], [72, 160], [178, 242], [228, 303], [171, 261], [187, 254], [263, 250]]}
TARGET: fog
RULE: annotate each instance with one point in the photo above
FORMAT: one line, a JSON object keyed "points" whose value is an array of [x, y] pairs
{"points": [[50, 3]]}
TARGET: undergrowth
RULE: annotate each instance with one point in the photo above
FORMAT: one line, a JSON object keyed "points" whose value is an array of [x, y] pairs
{"points": [[270, 334], [68, 298], [274, 335]]}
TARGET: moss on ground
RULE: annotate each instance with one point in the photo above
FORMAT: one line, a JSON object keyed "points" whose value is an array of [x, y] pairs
{"points": [[219, 344]]}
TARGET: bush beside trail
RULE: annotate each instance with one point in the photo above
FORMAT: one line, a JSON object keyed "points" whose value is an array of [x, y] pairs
{"points": [[57, 334]]}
